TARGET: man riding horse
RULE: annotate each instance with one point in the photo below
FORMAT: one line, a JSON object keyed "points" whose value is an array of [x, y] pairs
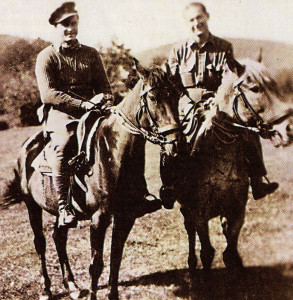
{"points": [[72, 80], [202, 60]]}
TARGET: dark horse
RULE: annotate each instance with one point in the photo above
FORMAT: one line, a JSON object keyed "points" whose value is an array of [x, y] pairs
{"points": [[117, 185], [216, 181]]}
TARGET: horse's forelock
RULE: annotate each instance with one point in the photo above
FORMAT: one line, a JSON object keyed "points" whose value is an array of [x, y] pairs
{"points": [[157, 78], [261, 74]]}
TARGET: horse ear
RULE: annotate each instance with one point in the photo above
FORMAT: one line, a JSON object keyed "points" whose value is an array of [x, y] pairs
{"points": [[259, 56], [168, 69], [143, 72], [236, 67]]}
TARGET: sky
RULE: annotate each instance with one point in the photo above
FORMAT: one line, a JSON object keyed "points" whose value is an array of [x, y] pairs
{"points": [[144, 24]]}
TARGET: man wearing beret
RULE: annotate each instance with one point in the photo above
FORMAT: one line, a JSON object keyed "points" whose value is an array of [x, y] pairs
{"points": [[201, 60], [69, 74]]}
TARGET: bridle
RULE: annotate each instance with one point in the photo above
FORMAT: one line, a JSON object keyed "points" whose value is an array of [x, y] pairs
{"points": [[158, 134], [264, 129]]}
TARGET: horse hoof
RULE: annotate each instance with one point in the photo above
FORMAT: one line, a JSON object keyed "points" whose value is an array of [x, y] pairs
{"points": [[113, 296], [74, 295], [232, 260], [45, 297], [92, 296], [207, 257]]}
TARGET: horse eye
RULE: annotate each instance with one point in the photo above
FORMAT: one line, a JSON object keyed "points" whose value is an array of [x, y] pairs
{"points": [[152, 98], [255, 89]]}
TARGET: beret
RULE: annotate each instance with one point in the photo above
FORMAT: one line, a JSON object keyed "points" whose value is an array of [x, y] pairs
{"points": [[66, 10]]}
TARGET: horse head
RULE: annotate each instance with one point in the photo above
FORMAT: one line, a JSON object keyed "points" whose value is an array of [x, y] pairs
{"points": [[250, 95], [160, 93]]}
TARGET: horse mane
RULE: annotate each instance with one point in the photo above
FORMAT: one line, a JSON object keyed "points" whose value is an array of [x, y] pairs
{"points": [[157, 77], [260, 74]]}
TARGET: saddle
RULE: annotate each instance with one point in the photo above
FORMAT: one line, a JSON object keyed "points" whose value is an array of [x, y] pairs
{"points": [[80, 164]]}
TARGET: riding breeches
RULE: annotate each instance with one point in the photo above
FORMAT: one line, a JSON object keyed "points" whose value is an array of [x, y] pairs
{"points": [[63, 147]]}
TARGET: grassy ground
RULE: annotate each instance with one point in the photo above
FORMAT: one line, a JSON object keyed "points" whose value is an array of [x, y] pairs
{"points": [[154, 261]]}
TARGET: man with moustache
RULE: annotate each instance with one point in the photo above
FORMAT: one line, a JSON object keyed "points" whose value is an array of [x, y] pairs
{"points": [[201, 60]]}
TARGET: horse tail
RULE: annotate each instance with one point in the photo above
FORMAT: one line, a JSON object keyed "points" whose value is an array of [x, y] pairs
{"points": [[17, 190], [13, 193]]}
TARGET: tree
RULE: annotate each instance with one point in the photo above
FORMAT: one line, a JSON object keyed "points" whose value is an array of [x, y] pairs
{"points": [[120, 69]]}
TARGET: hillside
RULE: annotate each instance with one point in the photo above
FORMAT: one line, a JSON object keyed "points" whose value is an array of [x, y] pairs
{"points": [[6, 40], [275, 55]]}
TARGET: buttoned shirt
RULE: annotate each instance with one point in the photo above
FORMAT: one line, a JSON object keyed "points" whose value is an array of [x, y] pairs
{"points": [[68, 76], [201, 67]]}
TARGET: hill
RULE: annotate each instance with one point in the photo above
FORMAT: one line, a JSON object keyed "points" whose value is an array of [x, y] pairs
{"points": [[6, 40], [275, 55]]}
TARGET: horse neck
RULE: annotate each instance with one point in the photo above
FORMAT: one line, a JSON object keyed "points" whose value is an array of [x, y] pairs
{"points": [[225, 94], [130, 105]]}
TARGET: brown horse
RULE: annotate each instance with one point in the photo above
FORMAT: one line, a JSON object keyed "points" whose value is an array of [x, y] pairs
{"points": [[216, 181], [117, 186]]}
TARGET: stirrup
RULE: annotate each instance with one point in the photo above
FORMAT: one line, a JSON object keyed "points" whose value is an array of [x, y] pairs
{"points": [[66, 217]]}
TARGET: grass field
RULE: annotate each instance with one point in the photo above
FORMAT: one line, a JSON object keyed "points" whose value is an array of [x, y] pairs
{"points": [[154, 262]]}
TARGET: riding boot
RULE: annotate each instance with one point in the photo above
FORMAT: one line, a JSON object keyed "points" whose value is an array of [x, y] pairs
{"points": [[66, 214], [149, 205], [256, 167], [260, 188], [168, 169]]}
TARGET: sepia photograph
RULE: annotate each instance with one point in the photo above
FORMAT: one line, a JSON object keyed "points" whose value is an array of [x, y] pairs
{"points": [[146, 149]]}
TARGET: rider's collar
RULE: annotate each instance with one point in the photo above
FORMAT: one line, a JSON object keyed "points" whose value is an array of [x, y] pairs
{"points": [[64, 47]]}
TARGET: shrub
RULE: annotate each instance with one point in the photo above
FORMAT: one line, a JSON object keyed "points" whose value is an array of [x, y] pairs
{"points": [[3, 125]]}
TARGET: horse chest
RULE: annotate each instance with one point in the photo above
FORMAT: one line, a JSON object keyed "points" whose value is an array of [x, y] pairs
{"points": [[222, 163]]}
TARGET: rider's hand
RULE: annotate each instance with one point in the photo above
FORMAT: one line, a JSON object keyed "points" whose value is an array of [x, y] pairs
{"points": [[98, 99], [86, 105]]}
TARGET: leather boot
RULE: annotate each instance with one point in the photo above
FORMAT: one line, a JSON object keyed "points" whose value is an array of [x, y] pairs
{"points": [[150, 204], [66, 214], [168, 196], [260, 189]]}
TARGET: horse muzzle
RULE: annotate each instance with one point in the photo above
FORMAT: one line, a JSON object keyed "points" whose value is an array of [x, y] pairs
{"points": [[172, 134], [283, 134]]}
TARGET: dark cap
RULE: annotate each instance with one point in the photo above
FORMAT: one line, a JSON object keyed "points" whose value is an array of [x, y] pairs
{"points": [[66, 10]]}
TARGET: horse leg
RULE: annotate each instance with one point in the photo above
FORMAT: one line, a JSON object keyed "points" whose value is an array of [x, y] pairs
{"points": [[190, 229], [207, 252], [99, 225], [231, 229], [121, 228], [60, 239], [36, 221]]}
